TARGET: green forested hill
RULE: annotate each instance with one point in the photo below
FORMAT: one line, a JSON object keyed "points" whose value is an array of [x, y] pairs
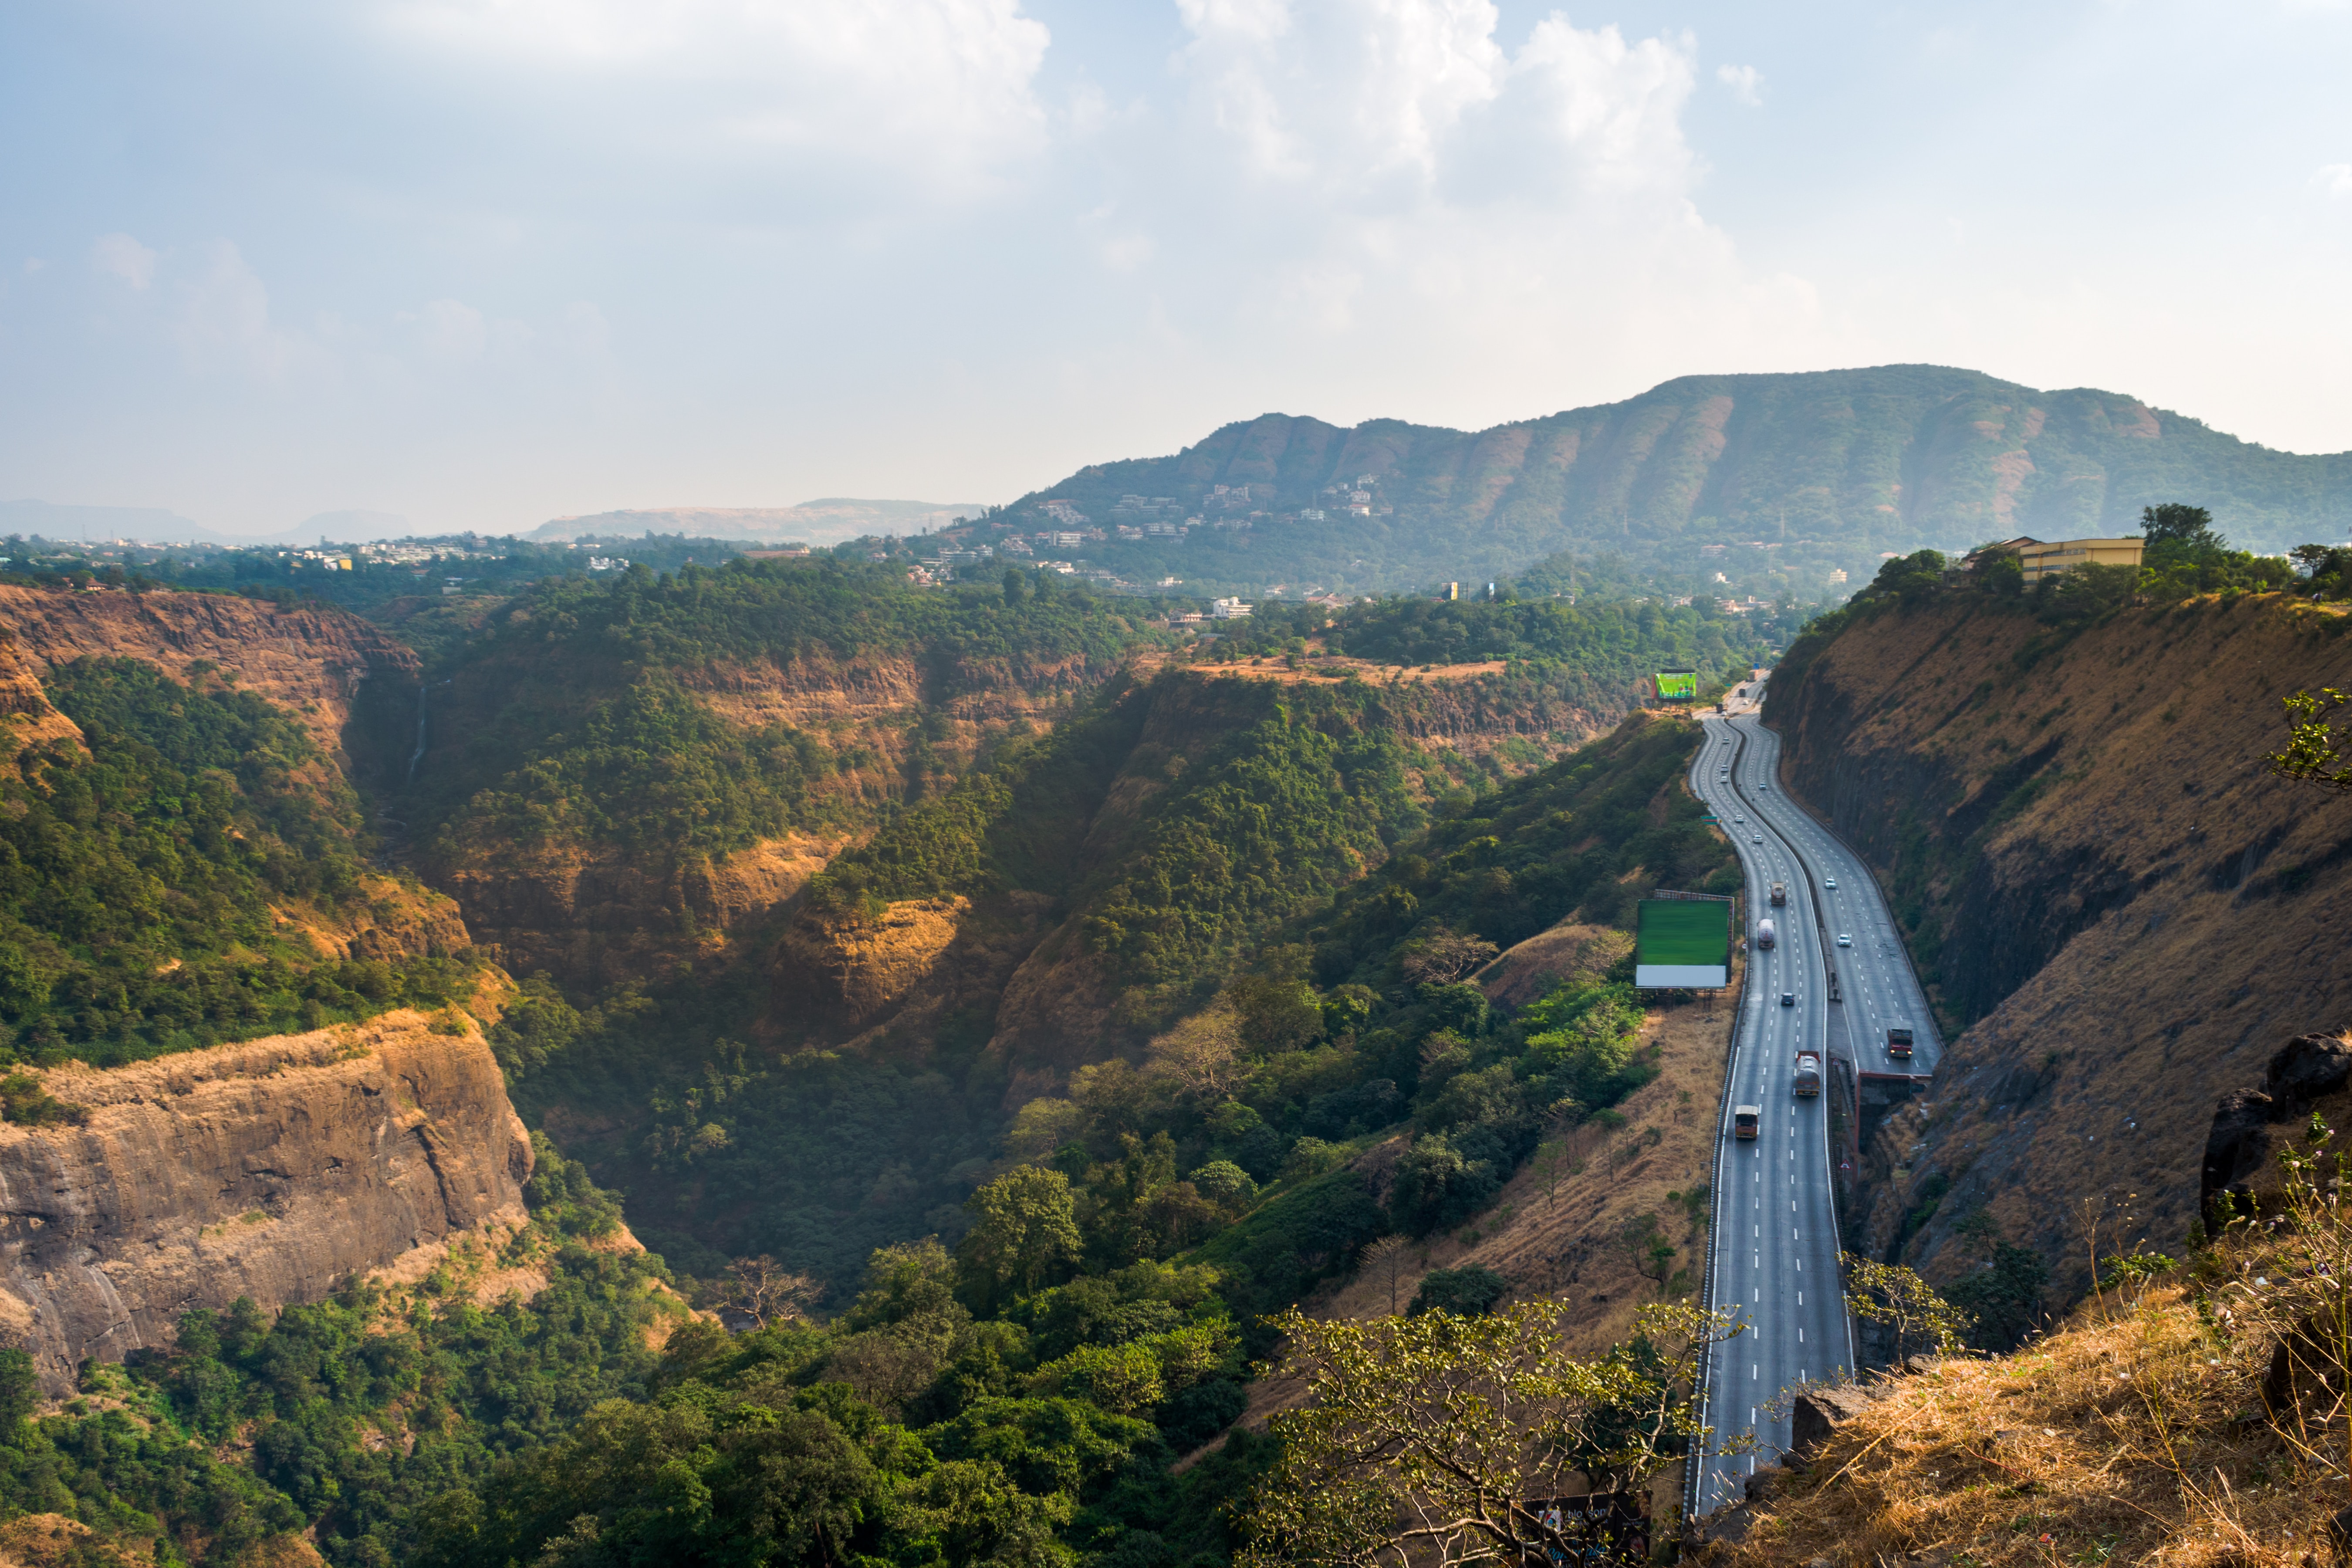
{"points": [[1832, 467], [1246, 896], [145, 880]]}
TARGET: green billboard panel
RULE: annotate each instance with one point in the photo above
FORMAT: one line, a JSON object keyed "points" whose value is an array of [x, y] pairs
{"points": [[1677, 686], [1683, 942]]}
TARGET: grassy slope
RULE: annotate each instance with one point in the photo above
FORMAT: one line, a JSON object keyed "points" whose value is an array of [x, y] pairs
{"points": [[2132, 1433]]}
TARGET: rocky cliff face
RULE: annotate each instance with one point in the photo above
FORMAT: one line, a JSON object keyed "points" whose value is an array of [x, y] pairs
{"points": [[314, 661], [279, 1170], [2101, 883]]}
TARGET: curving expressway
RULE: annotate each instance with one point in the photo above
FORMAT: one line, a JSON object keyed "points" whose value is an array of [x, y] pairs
{"points": [[1774, 1235]]}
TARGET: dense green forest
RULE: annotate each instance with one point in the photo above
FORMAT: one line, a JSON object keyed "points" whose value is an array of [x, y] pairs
{"points": [[999, 1331], [1589, 655], [358, 1417], [576, 717], [1017, 1390], [139, 879]]}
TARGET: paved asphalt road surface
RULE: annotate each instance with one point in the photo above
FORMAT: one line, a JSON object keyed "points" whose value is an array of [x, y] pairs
{"points": [[1775, 1228]]}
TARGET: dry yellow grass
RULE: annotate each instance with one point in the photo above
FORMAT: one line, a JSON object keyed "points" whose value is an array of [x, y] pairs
{"points": [[2134, 1434]]}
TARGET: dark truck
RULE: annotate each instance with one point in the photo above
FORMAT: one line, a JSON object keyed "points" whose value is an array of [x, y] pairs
{"points": [[1743, 1119], [1898, 1041], [1779, 894]]}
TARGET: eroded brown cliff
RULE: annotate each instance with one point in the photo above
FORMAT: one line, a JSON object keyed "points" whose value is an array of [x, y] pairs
{"points": [[2102, 881], [281, 1169], [594, 914], [311, 660]]}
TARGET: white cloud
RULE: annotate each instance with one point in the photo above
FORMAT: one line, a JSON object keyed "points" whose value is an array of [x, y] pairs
{"points": [[939, 91], [224, 319], [32, 264], [1349, 91], [1745, 83], [586, 332], [2334, 179], [1407, 207], [119, 256], [449, 331]]}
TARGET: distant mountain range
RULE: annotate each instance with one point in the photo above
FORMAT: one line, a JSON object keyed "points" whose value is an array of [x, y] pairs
{"points": [[154, 525], [827, 521], [1828, 469]]}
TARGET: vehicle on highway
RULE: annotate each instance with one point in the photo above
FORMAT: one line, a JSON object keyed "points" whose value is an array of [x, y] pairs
{"points": [[1844, 940], [1788, 998], [1831, 883], [1756, 838], [1807, 1083], [1764, 935], [1779, 894], [1737, 817], [1898, 1040], [1743, 1119]]}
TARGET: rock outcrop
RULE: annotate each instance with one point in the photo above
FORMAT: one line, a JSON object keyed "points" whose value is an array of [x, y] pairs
{"points": [[855, 966], [312, 660], [2311, 1073], [281, 1169]]}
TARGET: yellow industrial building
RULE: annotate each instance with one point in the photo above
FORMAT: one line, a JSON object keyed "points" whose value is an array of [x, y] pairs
{"points": [[2046, 557]]}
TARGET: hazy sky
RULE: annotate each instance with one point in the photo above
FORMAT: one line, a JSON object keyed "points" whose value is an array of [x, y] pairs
{"points": [[482, 262]]}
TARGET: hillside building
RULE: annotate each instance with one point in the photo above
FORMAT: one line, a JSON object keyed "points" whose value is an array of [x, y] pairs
{"points": [[2047, 557]]}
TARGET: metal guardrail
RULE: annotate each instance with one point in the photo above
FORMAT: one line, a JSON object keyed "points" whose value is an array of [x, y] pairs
{"points": [[1692, 1465]]}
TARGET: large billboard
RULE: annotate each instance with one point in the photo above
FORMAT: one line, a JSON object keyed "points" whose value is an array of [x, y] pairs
{"points": [[1683, 941], [1678, 685]]}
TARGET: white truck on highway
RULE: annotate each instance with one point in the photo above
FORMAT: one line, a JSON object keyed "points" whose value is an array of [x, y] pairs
{"points": [[1744, 1120], [1764, 935]]}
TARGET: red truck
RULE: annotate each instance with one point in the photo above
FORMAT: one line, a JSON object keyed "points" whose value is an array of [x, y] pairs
{"points": [[1898, 1041], [1743, 1119]]}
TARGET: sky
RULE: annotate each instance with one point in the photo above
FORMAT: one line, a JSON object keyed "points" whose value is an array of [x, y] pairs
{"points": [[480, 263]]}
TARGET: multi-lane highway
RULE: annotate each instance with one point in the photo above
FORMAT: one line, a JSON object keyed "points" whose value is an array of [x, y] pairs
{"points": [[1774, 1233]]}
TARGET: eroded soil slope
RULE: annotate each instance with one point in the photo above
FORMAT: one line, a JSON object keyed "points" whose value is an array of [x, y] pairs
{"points": [[2101, 881]]}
